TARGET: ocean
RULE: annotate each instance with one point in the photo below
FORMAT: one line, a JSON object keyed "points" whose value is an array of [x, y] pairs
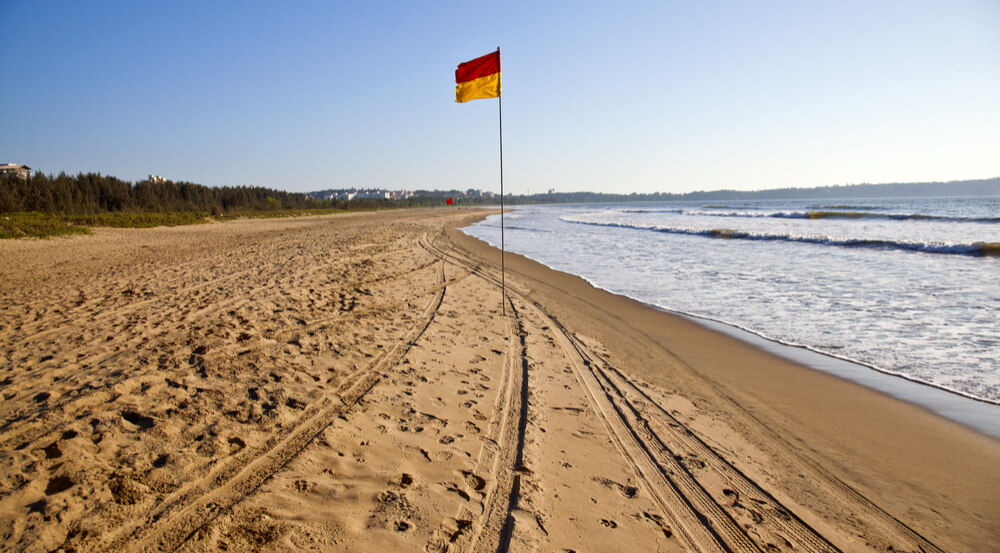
{"points": [[907, 287]]}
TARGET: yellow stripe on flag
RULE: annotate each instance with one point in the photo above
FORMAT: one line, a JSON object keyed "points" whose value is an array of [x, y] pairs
{"points": [[483, 87]]}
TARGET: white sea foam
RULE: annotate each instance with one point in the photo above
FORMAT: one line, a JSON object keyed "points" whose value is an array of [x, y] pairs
{"points": [[872, 289]]}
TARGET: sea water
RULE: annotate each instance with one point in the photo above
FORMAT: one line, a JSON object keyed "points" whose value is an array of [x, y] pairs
{"points": [[908, 287]]}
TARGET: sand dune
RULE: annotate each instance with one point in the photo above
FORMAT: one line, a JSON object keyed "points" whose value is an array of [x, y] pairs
{"points": [[355, 383]]}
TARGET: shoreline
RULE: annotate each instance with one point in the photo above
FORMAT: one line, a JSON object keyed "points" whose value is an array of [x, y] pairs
{"points": [[892, 448], [974, 413], [980, 415]]}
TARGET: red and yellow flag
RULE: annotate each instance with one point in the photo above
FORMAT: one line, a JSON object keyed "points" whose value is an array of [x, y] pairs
{"points": [[478, 78]]}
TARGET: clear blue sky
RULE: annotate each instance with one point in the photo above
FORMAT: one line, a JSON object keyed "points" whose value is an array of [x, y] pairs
{"points": [[668, 96]]}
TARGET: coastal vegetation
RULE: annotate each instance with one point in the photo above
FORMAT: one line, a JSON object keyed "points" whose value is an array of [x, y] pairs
{"points": [[93, 193], [21, 224], [46, 205]]}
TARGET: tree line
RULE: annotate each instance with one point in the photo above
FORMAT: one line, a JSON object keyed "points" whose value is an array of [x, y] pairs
{"points": [[93, 193]]}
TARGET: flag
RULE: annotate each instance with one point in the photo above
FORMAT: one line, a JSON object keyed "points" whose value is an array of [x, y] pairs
{"points": [[449, 201], [478, 78]]}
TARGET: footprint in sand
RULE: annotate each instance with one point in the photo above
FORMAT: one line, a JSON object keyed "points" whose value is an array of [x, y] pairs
{"points": [[302, 486], [405, 480], [52, 451], [58, 484], [445, 455], [658, 520], [452, 487], [474, 481], [135, 421], [690, 462], [627, 491]]}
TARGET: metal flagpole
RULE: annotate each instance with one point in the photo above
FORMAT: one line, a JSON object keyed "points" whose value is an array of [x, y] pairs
{"points": [[503, 270]]}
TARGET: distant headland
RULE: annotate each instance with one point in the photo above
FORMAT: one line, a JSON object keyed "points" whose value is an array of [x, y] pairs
{"points": [[980, 187]]}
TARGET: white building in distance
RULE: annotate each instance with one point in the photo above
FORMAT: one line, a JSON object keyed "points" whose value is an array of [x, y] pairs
{"points": [[22, 171]]}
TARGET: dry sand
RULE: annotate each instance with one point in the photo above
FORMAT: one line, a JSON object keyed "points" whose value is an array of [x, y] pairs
{"points": [[351, 383]]}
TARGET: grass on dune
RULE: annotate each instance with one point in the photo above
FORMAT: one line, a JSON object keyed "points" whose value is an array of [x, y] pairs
{"points": [[46, 225], [272, 214], [37, 225], [137, 220]]}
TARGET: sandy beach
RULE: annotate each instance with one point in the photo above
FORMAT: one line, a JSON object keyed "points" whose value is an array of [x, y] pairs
{"points": [[359, 383]]}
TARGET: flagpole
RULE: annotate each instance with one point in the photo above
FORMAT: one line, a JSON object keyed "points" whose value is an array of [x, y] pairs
{"points": [[503, 270]]}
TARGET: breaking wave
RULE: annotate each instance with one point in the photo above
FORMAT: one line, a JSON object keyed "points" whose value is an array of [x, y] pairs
{"points": [[827, 212], [822, 214], [975, 249]]}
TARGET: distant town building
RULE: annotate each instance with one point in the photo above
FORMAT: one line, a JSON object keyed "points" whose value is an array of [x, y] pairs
{"points": [[22, 171], [156, 178], [474, 193], [367, 194], [382, 193]]}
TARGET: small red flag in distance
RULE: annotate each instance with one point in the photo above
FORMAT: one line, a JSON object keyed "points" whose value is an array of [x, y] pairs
{"points": [[449, 201]]}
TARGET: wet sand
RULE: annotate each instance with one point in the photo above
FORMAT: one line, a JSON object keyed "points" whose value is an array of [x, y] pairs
{"points": [[981, 416], [358, 383]]}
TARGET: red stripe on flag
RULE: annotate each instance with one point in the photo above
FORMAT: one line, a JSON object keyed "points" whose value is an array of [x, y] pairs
{"points": [[479, 67]]}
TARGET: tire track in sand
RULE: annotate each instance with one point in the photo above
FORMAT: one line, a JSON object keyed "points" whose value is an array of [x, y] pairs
{"points": [[181, 516], [498, 462], [49, 420], [746, 496], [694, 530], [645, 433]]}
